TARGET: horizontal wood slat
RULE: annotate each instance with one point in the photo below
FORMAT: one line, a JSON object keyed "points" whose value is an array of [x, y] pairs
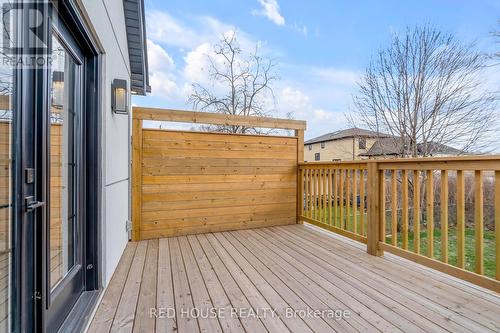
{"points": [[215, 118], [196, 182]]}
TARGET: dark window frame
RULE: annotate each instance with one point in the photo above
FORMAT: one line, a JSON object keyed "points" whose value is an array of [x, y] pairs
{"points": [[317, 156], [362, 143]]}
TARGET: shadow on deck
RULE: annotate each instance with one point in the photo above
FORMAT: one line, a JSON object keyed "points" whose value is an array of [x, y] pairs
{"points": [[293, 271]]}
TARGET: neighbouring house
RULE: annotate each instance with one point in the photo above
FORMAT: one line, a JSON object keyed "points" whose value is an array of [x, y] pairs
{"points": [[68, 70], [393, 148], [343, 145], [357, 144]]}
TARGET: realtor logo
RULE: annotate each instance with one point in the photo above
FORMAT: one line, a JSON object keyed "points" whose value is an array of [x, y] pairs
{"points": [[24, 42]]}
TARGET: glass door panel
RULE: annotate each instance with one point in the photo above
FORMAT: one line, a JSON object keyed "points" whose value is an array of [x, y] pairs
{"points": [[62, 164], [6, 180], [6, 118]]}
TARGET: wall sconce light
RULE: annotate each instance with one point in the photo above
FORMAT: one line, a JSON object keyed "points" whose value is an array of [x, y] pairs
{"points": [[119, 96]]}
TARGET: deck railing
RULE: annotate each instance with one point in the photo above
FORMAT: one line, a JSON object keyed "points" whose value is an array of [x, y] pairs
{"points": [[441, 212], [334, 197]]}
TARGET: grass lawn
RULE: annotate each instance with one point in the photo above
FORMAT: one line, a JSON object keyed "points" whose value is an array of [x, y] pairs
{"points": [[488, 241]]}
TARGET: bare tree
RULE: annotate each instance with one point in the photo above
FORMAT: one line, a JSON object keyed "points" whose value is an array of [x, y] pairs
{"points": [[241, 83], [496, 34], [427, 90]]}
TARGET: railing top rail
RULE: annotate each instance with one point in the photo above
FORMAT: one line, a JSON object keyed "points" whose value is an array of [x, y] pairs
{"points": [[334, 162], [439, 159], [197, 117], [476, 162]]}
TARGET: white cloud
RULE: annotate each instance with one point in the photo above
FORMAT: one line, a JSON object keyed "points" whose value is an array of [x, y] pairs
{"points": [[337, 76], [293, 100], [271, 10], [164, 28], [161, 71], [158, 58], [300, 28], [197, 63], [322, 115]]}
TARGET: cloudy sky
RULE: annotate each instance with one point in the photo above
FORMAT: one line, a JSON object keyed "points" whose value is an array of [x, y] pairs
{"points": [[321, 46]]}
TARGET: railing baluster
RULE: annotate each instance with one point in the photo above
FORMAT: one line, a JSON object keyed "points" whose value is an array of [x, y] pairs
{"points": [[362, 202], [309, 189], [394, 208], [416, 211], [325, 192], [301, 195], [316, 175], [330, 180], [341, 189], [335, 197], [348, 199], [460, 219], [405, 217], [497, 224], [478, 221], [306, 192], [430, 213], [320, 185], [444, 216], [354, 201]]}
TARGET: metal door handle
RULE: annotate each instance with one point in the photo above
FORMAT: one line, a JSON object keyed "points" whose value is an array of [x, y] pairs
{"points": [[32, 204]]}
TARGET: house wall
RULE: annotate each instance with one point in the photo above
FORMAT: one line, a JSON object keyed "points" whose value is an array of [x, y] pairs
{"points": [[343, 149], [106, 19]]}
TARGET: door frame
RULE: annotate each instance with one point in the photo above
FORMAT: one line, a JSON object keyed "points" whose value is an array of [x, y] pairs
{"points": [[60, 299], [90, 208]]}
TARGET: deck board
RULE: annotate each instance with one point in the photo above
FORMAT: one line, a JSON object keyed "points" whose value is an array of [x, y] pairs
{"points": [[297, 267]]}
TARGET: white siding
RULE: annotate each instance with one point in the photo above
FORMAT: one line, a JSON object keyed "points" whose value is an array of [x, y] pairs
{"points": [[107, 20]]}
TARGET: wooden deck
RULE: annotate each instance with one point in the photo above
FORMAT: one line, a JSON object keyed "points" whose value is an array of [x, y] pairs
{"points": [[289, 269]]}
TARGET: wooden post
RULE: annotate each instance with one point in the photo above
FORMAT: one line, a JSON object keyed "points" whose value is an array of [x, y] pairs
{"points": [[299, 133], [373, 220], [136, 178]]}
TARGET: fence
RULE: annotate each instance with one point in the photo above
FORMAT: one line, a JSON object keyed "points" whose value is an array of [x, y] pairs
{"points": [[187, 182], [390, 206]]}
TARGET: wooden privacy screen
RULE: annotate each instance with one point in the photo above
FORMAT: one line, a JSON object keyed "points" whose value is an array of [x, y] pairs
{"points": [[188, 182]]}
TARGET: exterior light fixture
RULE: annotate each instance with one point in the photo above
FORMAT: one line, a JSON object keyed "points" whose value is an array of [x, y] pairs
{"points": [[119, 96]]}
